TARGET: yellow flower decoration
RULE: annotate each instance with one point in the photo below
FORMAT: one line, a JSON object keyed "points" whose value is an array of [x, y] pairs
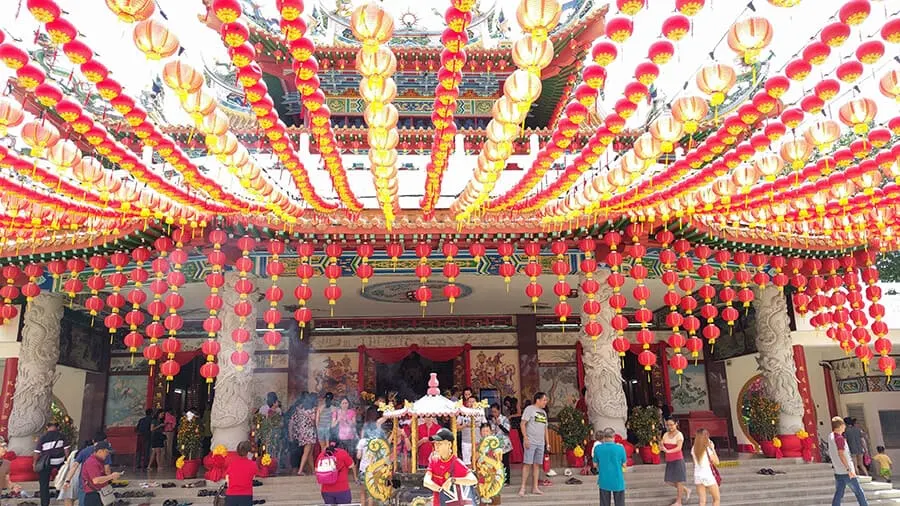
{"points": [[578, 451], [776, 442], [654, 448], [266, 460], [220, 450], [180, 462], [802, 434]]}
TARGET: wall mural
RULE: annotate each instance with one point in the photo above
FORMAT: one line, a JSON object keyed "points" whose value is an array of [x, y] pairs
{"points": [[689, 393], [497, 369], [334, 372], [560, 382], [125, 399], [265, 382]]}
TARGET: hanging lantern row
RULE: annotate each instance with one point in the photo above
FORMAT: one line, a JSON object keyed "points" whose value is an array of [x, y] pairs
{"points": [[153, 38], [305, 67], [603, 53], [446, 92], [533, 52], [376, 63]]}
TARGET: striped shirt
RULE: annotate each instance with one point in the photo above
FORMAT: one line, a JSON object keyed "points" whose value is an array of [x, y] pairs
{"points": [[53, 443]]}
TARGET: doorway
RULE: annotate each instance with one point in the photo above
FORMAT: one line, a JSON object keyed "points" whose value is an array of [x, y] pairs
{"points": [[409, 377]]}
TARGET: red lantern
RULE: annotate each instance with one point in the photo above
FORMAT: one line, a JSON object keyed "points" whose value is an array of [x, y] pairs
{"points": [[240, 358], [647, 359], [679, 364], [477, 250]]}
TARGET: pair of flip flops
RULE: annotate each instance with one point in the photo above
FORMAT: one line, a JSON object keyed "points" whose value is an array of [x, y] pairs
{"points": [[573, 481], [769, 472]]}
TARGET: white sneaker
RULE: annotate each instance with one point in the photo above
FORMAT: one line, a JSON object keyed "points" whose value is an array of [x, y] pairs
{"points": [[551, 473]]}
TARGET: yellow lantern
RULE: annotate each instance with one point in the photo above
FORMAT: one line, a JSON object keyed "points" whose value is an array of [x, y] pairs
{"points": [[11, 115], [889, 84], [182, 78], [646, 149], [89, 171], [39, 135], [716, 80], [858, 113], [769, 166], [523, 88], [383, 118], [384, 139], [690, 111], [64, 154], [198, 105], [371, 25], [378, 91], [532, 55], [795, 151], [749, 37], [214, 125], [155, 40], [667, 130], [744, 177], [538, 17], [508, 112], [130, 11], [822, 134], [378, 64]]}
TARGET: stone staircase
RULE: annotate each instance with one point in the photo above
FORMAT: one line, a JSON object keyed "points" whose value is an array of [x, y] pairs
{"points": [[800, 485]]}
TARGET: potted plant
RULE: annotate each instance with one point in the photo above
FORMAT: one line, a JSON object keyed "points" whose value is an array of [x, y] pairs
{"points": [[573, 429], [189, 445], [644, 422], [762, 423]]}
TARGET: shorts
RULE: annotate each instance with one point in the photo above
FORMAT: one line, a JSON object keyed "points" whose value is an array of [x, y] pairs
{"points": [[337, 497], [533, 455], [239, 500]]}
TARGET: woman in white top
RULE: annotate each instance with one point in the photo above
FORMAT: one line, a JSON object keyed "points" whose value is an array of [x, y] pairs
{"points": [[705, 457]]}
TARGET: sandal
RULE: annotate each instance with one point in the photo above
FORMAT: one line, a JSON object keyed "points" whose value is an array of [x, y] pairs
{"points": [[546, 483], [573, 481]]}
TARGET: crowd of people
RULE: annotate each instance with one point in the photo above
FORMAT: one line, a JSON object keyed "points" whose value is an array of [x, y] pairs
{"points": [[331, 437]]}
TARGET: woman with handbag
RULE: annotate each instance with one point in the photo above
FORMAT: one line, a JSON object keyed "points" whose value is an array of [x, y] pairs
{"points": [[95, 483], [706, 475]]}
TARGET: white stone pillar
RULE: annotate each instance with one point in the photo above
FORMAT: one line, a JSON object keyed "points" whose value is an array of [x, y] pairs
{"points": [[605, 396], [776, 357], [232, 407], [38, 355]]}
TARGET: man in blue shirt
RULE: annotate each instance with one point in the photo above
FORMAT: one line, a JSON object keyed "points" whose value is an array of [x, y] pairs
{"points": [[610, 459]]}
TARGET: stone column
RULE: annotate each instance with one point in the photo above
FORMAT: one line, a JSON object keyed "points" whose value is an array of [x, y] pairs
{"points": [[776, 357], [231, 409], [38, 355], [605, 397]]}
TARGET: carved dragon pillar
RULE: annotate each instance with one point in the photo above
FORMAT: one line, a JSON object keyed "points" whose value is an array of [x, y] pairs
{"points": [[605, 397], [38, 355], [776, 358], [230, 418]]}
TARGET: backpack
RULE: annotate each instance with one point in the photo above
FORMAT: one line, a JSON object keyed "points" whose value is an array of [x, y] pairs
{"points": [[327, 469]]}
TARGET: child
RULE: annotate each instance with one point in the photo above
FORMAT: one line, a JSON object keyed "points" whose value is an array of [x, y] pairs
{"points": [[363, 456], [884, 464]]}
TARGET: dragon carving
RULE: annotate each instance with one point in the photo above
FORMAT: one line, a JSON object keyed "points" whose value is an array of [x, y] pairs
{"points": [[37, 369], [776, 357], [488, 468], [378, 472], [232, 404], [602, 372]]}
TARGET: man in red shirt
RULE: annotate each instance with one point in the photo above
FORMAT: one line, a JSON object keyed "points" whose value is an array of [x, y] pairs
{"points": [[339, 491], [447, 476]]}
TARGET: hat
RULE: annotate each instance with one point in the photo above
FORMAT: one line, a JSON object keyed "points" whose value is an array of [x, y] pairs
{"points": [[102, 445], [443, 435]]}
